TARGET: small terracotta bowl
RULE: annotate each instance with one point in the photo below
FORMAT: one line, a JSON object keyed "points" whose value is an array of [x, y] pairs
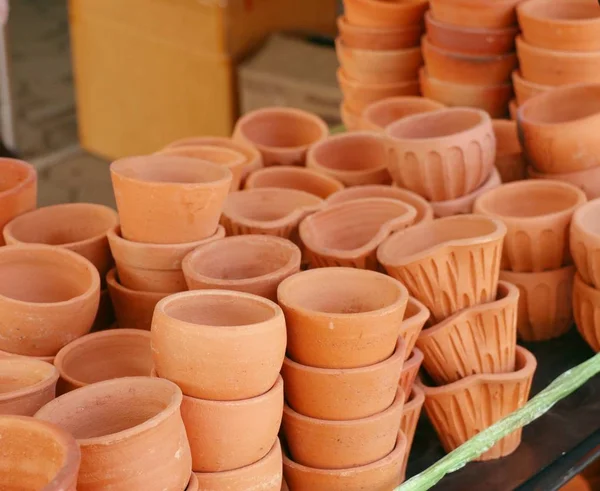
{"points": [[586, 308], [474, 13], [299, 178], [350, 118], [410, 418], [587, 180], [415, 318], [509, 155], [18, 190], [585, 242], [380, 114], [378, 38], [525, 89], [410, 371], [374, 13]]}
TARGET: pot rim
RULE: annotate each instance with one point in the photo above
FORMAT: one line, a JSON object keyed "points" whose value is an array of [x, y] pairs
{"points": [[572, 56], [517, 78], [471, 58], [585, 289], [343, 21], [239, 159], [291, 170], [343, 78], [113, 282], [415, 400], [423, 74], [374, 107], [581, 215], [421, 317], [392, 6], [252, 154], [30, 178], [540, 275], [413, 361], [50, 378], [377, 53], [530, 8], [533, 173], [482, 31], [193, 483]]}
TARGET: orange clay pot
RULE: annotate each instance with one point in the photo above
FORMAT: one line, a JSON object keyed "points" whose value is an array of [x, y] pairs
{"points": [[415, 318], [168, 200], [343, 394], [585, 242], [545, 307], [587, 180], [449, 264], [489, 14], [37, 455], [509, 155], [352, 158], [26, 385], [525, 89], [351, 119], [103, 356], [442, 155], [348, 234], [375, 13], [114, 442], [341, 317], [410, 418], [377, 38], [246, 263], [410, 371], [298, 178], [48, 297], [586, 308], [282, 135], [460, 410], [18, 190], [237, 340], [380, 114]]}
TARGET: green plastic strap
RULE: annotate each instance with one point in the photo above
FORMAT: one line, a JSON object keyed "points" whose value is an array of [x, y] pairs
{"points": [[337, 129], [560, 388]]}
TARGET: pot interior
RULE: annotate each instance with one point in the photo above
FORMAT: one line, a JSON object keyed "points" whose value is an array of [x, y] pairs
{"points": [[281, 129], [351, 153], [16, 374], [268, 204], [563, 106], [437, 124]]}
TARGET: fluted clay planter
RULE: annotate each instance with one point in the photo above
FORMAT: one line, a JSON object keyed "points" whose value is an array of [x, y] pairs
{"points": [[354, 159], [586, 309], [343, 394], [378, 38], [350, 118], [236, 340], [460, 410], [374, 13], [587, 180], [410, 370], [246, 263], [474, 13], [298, 178], [37, 455], [282, 135], [163, 199], [442, 155], [537, 215], [348, 234], [48, 297], [449, 264], [341, 317], [380, 114], [509, 155], [410, 418], [27, 384], [415, 318], [545, 303], [525, 89], [18, 190], [585, 242]]}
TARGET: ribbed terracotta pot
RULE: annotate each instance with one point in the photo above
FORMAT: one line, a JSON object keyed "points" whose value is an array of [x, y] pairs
{"points": [[509, 155], [114, 442], [168, 200], [415, 318], [237, 340], [380, 114], [298, 178], [378, 38], [26, 385], [281, 134], [587, 180], [350, 118], [474, 13], [410, 370], [245, 263], [525, 89], [348, 234], [545, 302], [343, 394], [18, 190], [410, 418], [461, 410], [585, 242], [449, 264], [341, 317], [442, 155], [37, 455], [586, 309], [48, 297], [374, 13]]}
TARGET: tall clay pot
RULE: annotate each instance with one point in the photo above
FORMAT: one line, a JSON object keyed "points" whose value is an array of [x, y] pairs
{"points": [[18, 190]]}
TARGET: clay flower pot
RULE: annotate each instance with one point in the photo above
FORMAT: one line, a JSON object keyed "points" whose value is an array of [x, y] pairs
{"points": [[352, 158], [377, 38], [375, 13], [348, 234], [246, 263], [37, 455], [298, 178], [114, 442], [282, 135], [460, 410], [442, 155], [567, 25], [380, 114], [509, 155], [168, 200], [587, 180], [341, 317], [322, 444], [585, 242], [343, 394], [545, 306], [236, 340], [415, 318], [449, 264], [350, 118], [27, 384], [104, 356], [48, 297], [586, 308], [410, 370], [153, 267], [474, 13], [410, 418], [18, 190], [525, 89]]}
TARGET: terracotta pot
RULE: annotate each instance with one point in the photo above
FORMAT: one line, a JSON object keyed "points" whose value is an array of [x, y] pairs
{"points": [[153, 267], [382, 475], [193, 484], [37, 455], [282, 135], [493, 99], [587, 180], [509, 155], [266, 475], [442, 155], [341, 317], [246, 263], [460, 410], [105, 316], [375, 13], [415, 318], [449, 264], [585, 242], [545, 307], [114, 443], [352, 158], [103, 356], [586, 308], [348, 234], [237, 340], [470, 40], [513, 109], [47, 359], [410, 418], [350, 118], [475, 13], [18, 190], [380, 114], [298, 178], [525, 89], [410, 370], [568, 25], [557, 129], [48, 297], [377, 38]]}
